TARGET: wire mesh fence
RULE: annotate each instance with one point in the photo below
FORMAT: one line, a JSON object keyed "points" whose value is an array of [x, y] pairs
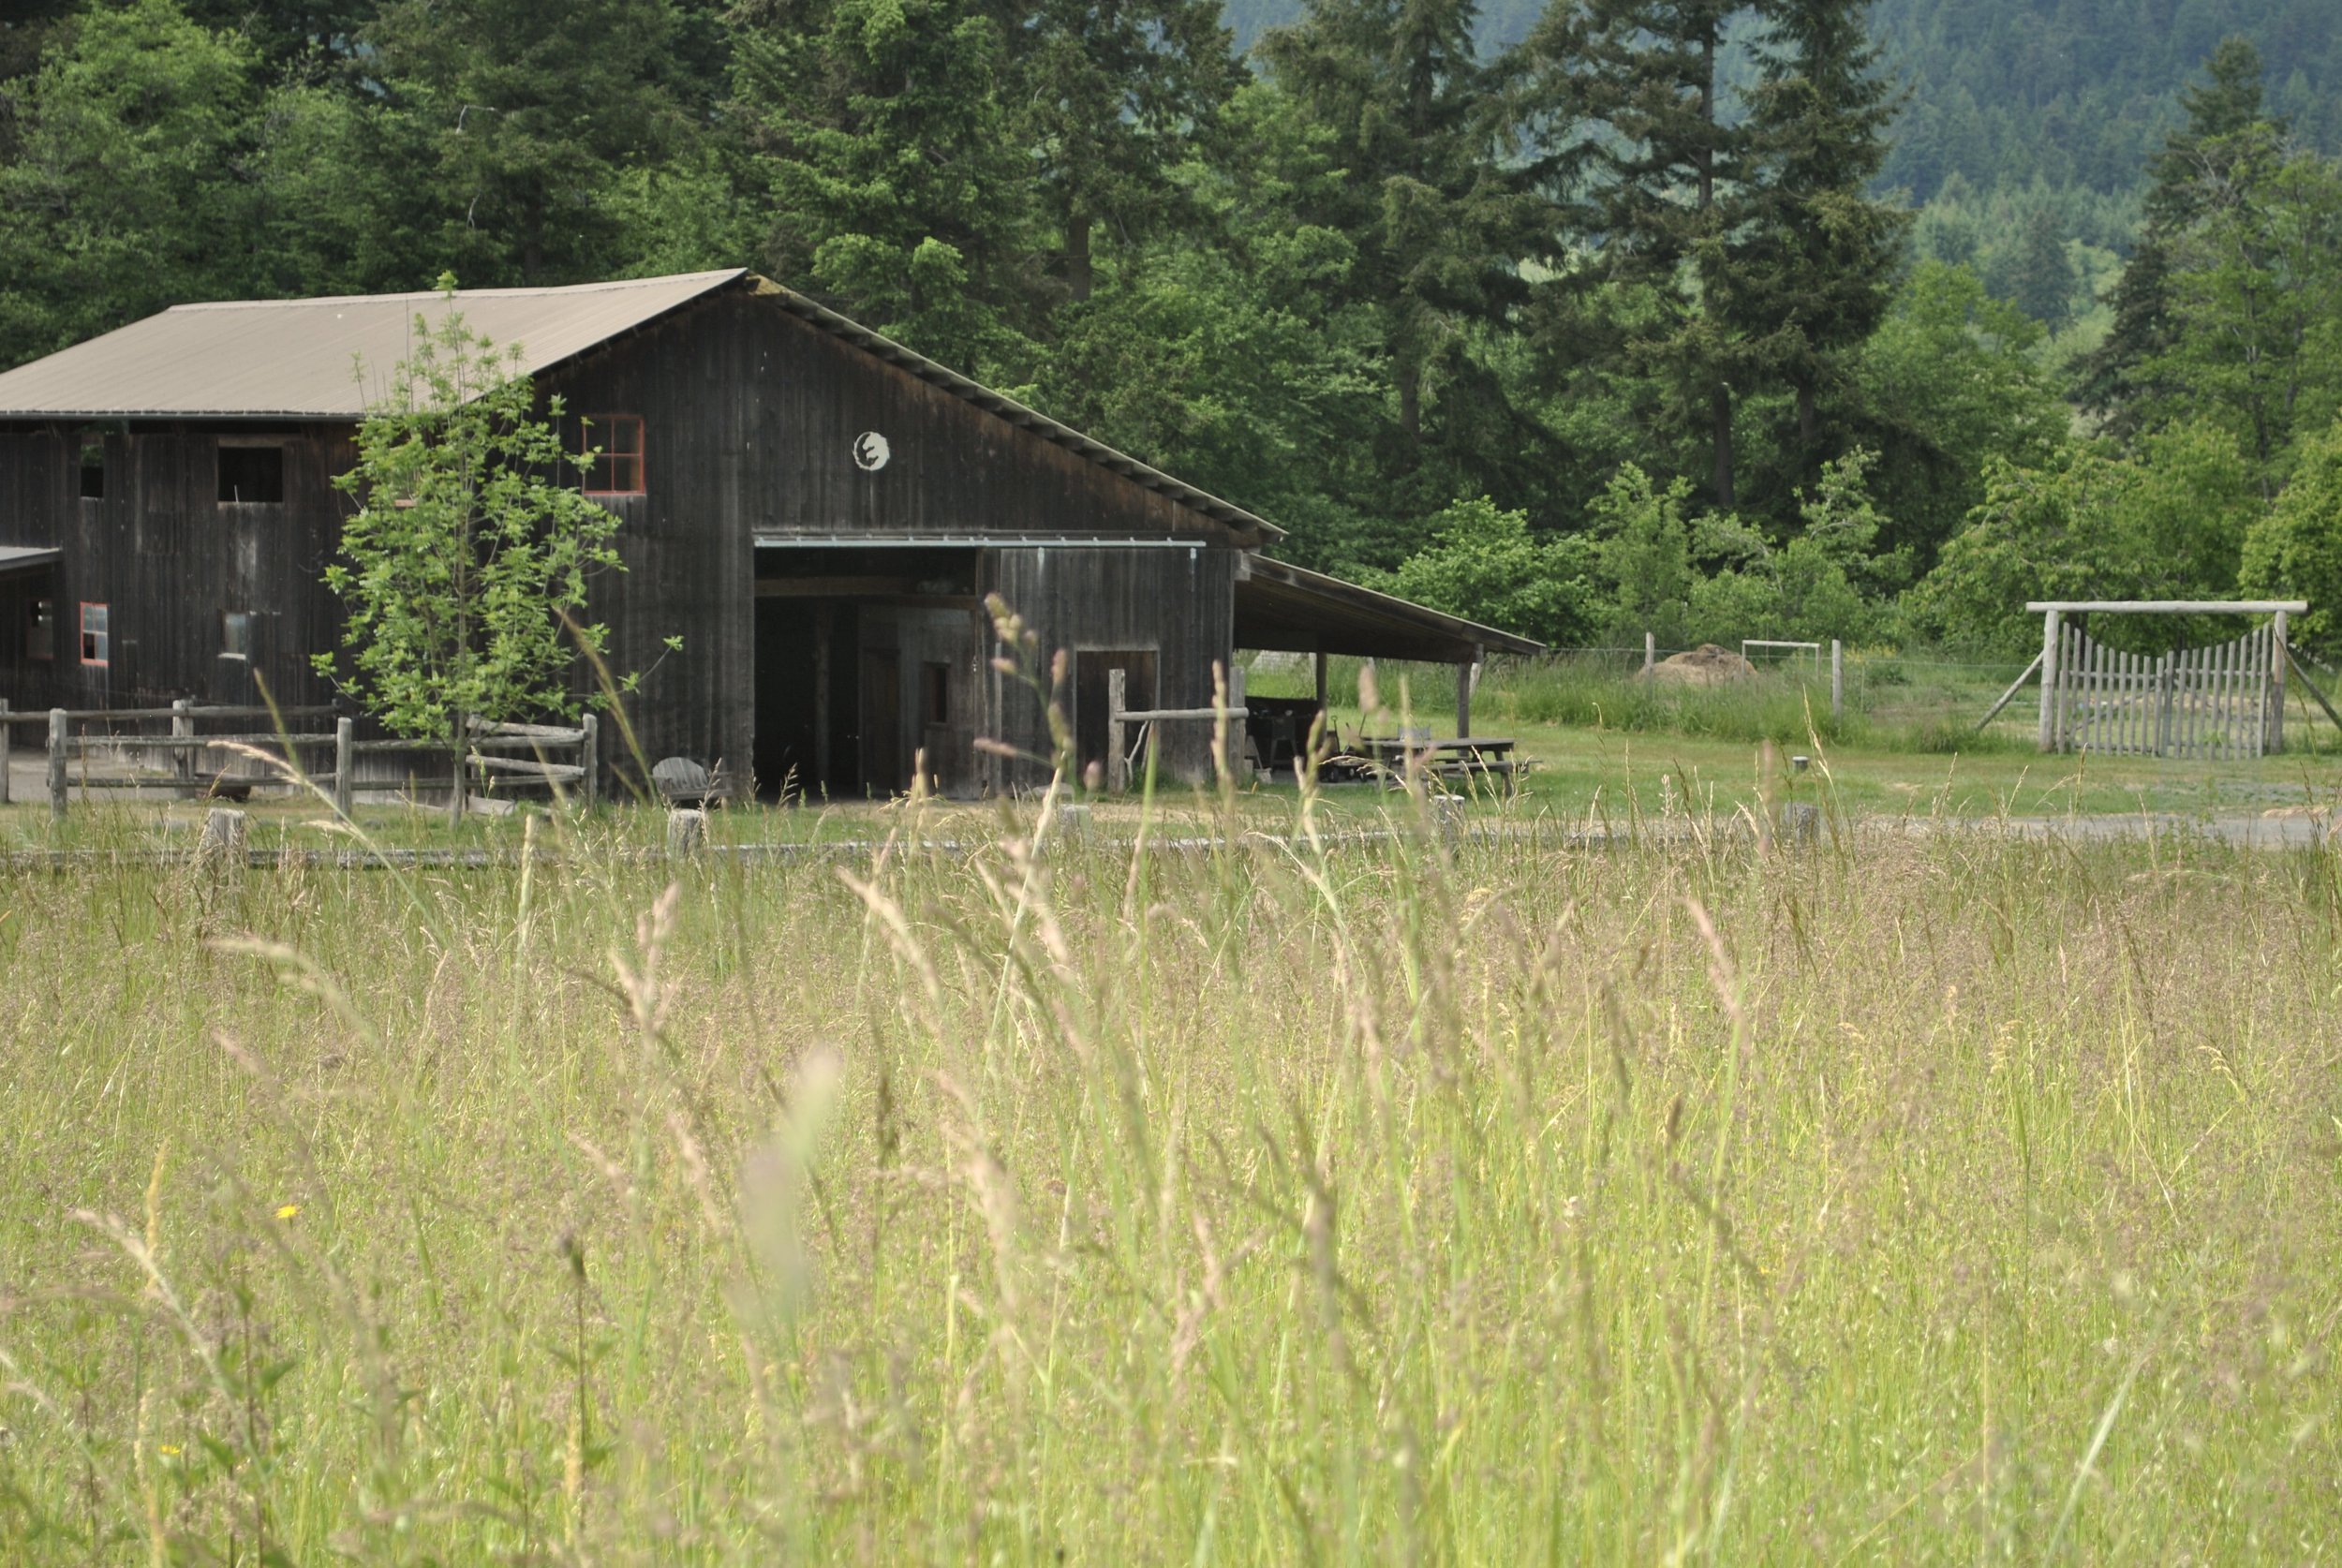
{"points": [[1918, 699]]}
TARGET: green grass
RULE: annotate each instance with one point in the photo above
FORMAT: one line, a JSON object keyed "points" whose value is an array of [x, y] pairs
{"points": [[1904, 1200]]}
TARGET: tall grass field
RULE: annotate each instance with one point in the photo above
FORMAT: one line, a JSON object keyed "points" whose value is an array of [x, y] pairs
{"points": [[1456, 1199]]}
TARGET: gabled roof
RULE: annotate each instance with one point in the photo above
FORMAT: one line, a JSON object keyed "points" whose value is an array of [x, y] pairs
{"points": [[280, 359], [1014, 412], [317, 359]]}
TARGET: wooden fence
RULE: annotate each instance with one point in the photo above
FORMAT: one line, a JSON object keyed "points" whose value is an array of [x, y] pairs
{"points": [[2219, 704], [173, 759]]}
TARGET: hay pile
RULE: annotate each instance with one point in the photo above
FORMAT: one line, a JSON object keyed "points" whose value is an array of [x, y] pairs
{"points": [[1705, 665]]}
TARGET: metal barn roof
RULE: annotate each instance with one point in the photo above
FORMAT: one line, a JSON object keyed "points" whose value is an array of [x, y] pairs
{"points": [[20, 558], [316, 359]]}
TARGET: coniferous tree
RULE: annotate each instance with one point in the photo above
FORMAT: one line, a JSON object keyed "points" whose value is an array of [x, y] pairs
{"points": [[2039, 278], [898, 188], [2112, 383], [1111, 96], [1650, 168], [1816, 278], [1438, 218], [533, 116]]}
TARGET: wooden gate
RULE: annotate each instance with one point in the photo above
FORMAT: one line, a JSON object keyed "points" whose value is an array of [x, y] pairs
{"points": [[2218, 704]]}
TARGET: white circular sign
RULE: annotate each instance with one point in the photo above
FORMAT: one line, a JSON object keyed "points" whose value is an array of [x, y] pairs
{"points": [[870, 452]]}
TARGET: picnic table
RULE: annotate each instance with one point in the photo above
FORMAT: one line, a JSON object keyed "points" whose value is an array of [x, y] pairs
{"points": [[1448, 756]]}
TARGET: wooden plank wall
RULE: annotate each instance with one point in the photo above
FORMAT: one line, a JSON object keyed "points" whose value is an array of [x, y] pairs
{"points": [[750, 416], [168, 559], [1178, 603]]}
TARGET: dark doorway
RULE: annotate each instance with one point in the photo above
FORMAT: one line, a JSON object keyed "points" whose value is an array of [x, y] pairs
{"points": [[1089, 696], [883, 769], [804, 735]]}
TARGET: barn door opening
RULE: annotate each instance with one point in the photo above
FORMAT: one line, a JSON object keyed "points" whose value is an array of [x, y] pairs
{"points": [[806, 688], [885, 769], [1089, 696]]}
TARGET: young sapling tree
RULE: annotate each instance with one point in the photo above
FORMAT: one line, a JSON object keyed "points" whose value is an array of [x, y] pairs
{"points": [[463, 572]]}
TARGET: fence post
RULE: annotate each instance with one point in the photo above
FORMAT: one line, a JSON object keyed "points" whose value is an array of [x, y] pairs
{"points": [[7, 729], [56, 763], [2163, 705], [2049, 676], [1649, 652], [1837, 681], [588, 759], [345, 764], [226, 840], [2278, 684], [1237, 736], [1118, 761], [182, 728]]}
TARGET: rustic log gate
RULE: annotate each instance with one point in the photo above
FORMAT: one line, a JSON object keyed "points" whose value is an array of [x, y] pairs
{"points": [[2218, 703]]}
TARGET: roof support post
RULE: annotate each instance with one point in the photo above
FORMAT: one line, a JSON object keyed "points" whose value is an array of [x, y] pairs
{"points": [[1467, 675]]}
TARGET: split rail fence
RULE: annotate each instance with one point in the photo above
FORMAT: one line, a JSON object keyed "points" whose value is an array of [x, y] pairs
{"points": [[173, 760]]}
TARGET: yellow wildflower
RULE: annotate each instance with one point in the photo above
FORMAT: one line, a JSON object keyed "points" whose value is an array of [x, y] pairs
{"points": [[288, 1211]]}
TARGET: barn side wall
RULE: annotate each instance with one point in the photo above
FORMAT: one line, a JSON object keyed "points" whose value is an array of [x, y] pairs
{"points": [[169, 560], [751, 421]]}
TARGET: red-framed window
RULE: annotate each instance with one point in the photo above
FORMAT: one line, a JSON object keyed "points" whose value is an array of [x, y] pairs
{"points": [[96, 636], [617, 465]]}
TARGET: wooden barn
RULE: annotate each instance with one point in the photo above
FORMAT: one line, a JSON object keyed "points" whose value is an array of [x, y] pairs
{"points": [[817, 511]]}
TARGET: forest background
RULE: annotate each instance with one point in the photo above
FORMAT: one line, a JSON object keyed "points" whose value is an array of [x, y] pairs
{"points": [[1790, 318]]}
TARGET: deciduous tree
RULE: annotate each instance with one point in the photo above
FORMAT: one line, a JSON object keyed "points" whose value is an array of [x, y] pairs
{"points": [[463, 572]]}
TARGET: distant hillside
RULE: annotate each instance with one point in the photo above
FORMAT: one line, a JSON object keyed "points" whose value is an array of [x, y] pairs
{"points": [[2078, 92]]}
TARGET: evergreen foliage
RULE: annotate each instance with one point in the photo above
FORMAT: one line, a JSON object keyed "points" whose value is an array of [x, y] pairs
{"points": [[1626, 328]]}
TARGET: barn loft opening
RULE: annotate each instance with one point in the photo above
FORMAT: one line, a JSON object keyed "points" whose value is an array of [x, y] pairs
{"points": [[250, 475], [92, 470]]}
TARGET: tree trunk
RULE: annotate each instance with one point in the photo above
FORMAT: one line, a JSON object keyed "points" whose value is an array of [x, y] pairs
{"points": [[1411, 401], [1079, 275], [1720, 416], [456, 771]]}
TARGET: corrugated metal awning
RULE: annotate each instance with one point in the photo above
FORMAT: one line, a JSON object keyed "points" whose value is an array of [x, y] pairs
{"points": [[1291, 609], [22, 557]]}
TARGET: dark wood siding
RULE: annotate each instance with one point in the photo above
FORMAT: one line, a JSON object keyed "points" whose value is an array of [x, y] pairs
{"points": [[750, 416], [168, 558], [1177, 602]]}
